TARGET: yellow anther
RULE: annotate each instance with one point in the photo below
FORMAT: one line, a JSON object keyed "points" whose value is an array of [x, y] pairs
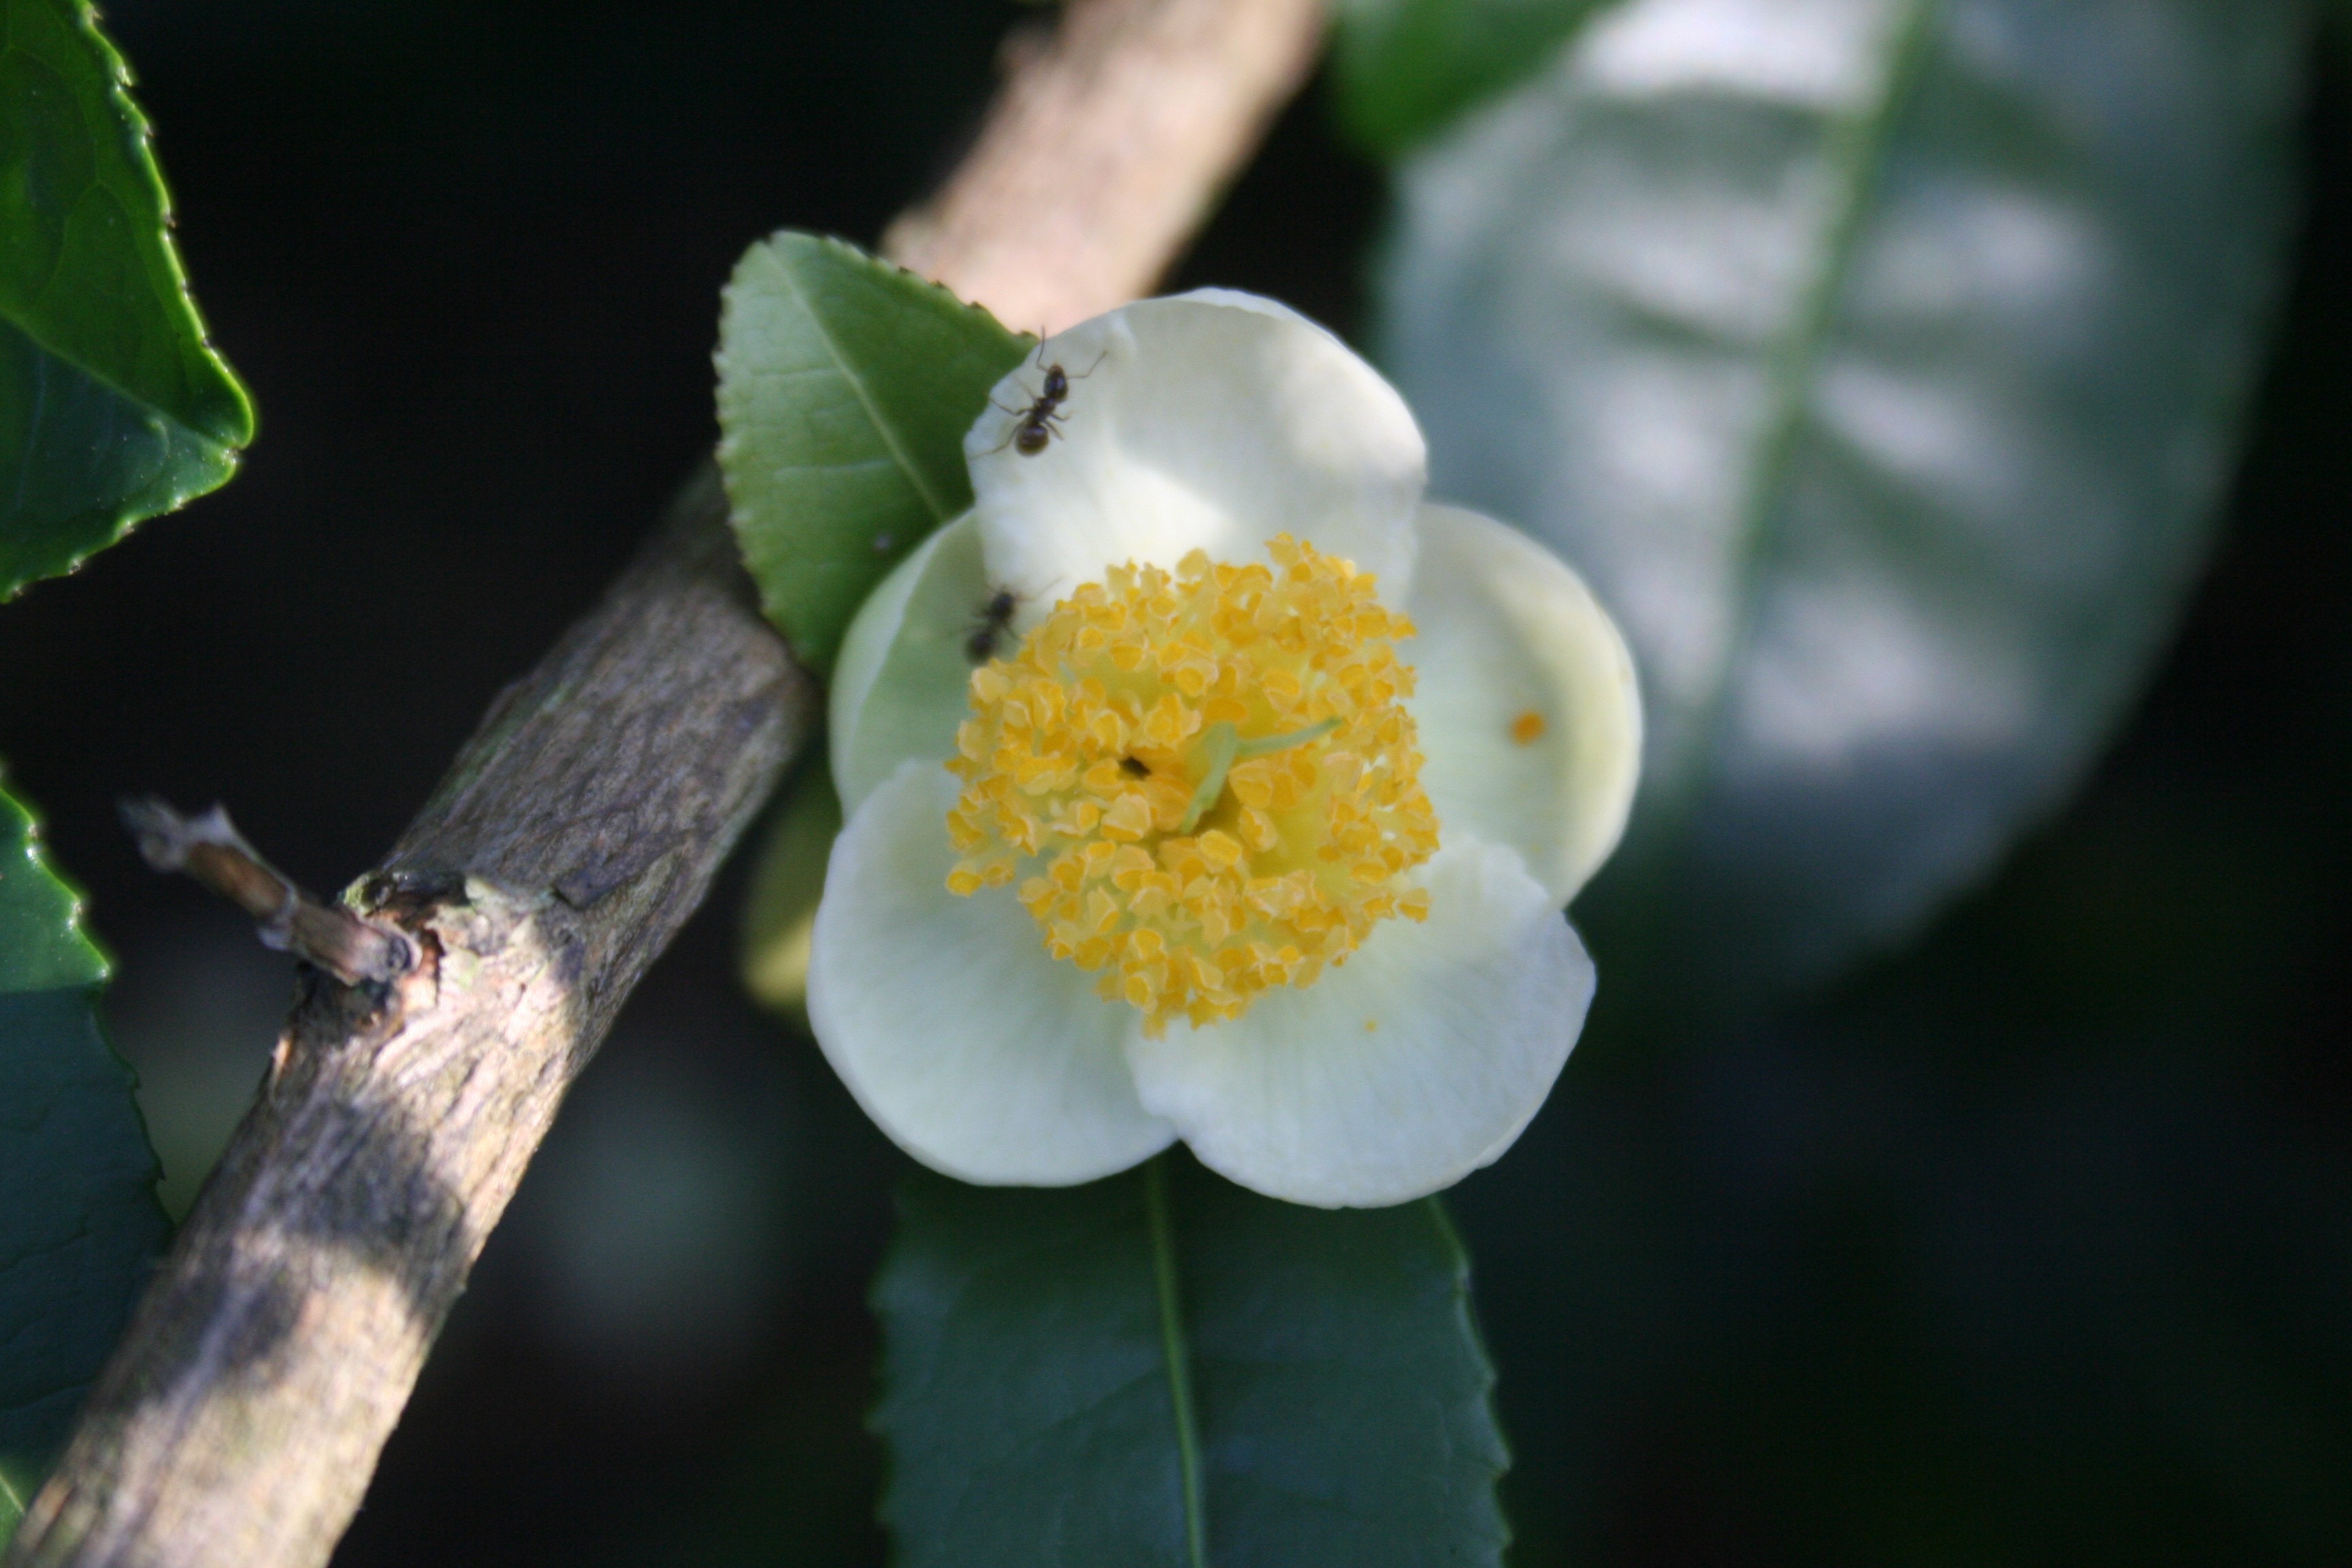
{"points": [[1129, 817], [1222, 850], [1212, 771]]}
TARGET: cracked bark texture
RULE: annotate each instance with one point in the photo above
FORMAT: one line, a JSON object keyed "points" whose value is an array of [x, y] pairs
{"points": [[240, 1418]]}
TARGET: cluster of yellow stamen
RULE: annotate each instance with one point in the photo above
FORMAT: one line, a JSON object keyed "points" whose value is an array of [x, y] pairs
{"points": [[1207, 777]]}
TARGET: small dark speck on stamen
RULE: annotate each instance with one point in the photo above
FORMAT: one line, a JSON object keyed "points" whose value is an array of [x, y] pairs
{"points": [[1134, 768]]}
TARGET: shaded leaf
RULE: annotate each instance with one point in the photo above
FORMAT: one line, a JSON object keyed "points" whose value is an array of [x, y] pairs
{"points": [[1883, 374], [79, 1224], [787, 880], [112, 405], [1162, 1368], [845, 385], [1403, 69]]}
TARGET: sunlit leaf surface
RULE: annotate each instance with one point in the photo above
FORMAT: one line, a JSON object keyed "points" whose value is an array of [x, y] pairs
{"points": [[1882, 363], [79, 1219], [112, 405], [1163, 1371], [845, 385]]}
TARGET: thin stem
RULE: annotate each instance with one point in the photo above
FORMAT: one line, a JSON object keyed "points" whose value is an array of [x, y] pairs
{"points": [[211, 850]]}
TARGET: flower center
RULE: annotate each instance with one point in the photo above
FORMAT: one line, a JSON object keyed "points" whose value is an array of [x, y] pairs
{"points": [[1208, 778]]}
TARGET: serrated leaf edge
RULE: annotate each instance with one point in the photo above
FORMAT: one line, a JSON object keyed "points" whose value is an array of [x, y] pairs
{"points": [[140, 133], [77, 902]]}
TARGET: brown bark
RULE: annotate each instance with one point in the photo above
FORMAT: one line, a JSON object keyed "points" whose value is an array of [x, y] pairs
{"points": [[1104, 150], [240, 1418]]}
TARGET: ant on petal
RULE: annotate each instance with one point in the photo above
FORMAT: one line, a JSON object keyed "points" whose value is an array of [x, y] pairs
{"points": [[995, 618], [1039, 423]]}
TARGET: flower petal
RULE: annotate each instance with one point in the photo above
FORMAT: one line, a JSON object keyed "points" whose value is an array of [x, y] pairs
{"points": [[900, 684], [978, 1054], [1529, 717], [1399, 1074], [1212, 420]]}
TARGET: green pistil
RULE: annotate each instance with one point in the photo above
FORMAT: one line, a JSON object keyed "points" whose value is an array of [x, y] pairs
{"points": [[1221, 746], [1267, 745]]}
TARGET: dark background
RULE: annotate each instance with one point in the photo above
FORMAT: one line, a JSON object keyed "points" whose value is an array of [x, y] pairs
{"points": [[2031, 1245]]}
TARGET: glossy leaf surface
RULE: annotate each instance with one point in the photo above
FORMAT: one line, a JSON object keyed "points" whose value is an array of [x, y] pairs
{"points": [[112, 405], [79, 1219], [1164, 1371], [845, 385], [1405, 68], [1881, 362]]}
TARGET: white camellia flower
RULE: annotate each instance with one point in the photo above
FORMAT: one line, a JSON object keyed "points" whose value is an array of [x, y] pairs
{"points": [[1255, 823]]}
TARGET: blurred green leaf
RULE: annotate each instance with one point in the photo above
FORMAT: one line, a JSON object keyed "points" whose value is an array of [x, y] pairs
{"points": [[787, 880], [1882, 364], [845, 385], [1163, 1371], [1404, 69], [79, 1224], [112, 405]]}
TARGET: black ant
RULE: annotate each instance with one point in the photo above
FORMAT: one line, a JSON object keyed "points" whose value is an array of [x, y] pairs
{"points": [[1042, 420], [995, 618]]}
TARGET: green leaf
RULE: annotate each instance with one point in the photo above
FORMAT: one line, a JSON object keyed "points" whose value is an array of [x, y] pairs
{"points": [[1163, 1371], [845, 385], [1403, 69], [112, 408], [42, 944], [79, 1224], [112, 405], [1884, 375], [787, 880]]}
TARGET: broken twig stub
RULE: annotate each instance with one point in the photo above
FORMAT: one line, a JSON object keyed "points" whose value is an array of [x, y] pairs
{"points": [[354, 950]]}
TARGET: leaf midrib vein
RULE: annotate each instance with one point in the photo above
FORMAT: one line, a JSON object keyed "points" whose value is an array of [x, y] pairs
{"points": [[882, 427], [40, 342], [1857, 159], [203, 439], [1171, 1345]]}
